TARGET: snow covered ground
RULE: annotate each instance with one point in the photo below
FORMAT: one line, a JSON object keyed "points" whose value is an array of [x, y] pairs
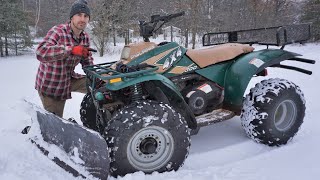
{"points": [[218, 152]]}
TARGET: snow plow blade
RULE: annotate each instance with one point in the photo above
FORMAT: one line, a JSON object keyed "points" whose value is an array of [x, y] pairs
{"points": [[78, 150]]}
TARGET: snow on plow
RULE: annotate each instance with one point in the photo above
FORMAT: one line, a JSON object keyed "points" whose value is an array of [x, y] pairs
{"points": [[78, 150]]}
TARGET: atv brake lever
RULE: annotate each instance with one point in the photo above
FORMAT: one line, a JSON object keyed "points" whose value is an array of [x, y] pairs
{"points": [[92, 50]]}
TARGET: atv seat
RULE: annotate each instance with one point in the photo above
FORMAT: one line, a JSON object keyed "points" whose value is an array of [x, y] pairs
{"points": [[220, 53]]}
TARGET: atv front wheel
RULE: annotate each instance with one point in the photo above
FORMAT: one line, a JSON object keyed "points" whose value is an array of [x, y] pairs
{"points": [[273, 112], [88, 113], [147, 136]]}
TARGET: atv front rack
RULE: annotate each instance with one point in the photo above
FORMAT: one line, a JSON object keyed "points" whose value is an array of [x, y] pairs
{"points": [[105, 72], [275, 36]]}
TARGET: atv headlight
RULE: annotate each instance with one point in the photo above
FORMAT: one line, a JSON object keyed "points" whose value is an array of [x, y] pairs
{"points": [[125, 53]]}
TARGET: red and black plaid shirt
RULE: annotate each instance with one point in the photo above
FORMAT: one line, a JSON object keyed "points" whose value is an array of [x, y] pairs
{"points": [[57, 64]]}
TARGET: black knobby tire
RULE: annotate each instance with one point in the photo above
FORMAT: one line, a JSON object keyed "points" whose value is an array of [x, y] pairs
{"points": [[273, 112], [88, 113], [147, 136]]}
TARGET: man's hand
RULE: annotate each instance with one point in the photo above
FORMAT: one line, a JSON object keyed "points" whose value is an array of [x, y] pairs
{"points": [[80, 51]]}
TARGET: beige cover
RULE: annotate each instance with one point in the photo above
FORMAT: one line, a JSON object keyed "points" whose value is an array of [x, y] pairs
{"points": [[220, 53], [139, 49], [136, 49]]}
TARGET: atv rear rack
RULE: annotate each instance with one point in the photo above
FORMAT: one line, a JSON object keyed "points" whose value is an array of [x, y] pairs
{"points": [[275, 36]]}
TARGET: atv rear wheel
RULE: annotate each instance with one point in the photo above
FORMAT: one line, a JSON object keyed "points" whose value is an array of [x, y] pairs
{"points": [[273, 112], [147, 136], [88, 113]]}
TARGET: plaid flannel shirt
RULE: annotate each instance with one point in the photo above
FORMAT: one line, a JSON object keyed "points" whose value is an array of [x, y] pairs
{"points": [[57, 64]]}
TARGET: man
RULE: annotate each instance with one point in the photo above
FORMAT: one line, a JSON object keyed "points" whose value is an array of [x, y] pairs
{"points": [[63, 48]]}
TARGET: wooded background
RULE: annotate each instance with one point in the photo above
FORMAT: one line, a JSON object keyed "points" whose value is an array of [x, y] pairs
{"points": [[21, 21]]}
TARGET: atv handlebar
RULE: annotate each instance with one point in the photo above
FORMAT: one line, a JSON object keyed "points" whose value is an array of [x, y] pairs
{"points": [[148, 28], [123, 68], [157, 18], [90, 49], [93, 50]]}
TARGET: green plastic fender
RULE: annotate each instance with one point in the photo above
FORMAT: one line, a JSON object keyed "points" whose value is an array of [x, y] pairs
{"points": [[168, 88], [242, 70], [126, 82]]}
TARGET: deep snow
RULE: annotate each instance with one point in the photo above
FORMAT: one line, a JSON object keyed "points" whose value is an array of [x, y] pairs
{"points": [[219, 152]]}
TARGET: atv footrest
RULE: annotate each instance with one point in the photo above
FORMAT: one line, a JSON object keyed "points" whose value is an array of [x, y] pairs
{"points": [[215, 116]]}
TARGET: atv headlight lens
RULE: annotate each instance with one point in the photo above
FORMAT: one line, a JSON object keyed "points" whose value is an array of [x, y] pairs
{"points": [[125, 53]]}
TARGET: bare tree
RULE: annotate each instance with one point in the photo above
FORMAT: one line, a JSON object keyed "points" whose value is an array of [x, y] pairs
{"points": [[109, 17], [14, 33], [195, 20], [38, 11], [311, 15], [112, 19]]}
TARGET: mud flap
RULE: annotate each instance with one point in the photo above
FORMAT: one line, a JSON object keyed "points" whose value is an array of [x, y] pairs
{"points": [[80, 151]]}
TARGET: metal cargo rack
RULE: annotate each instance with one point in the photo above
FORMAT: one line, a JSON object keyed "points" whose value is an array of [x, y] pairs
{"points": [[105, 72], [275, 36]]}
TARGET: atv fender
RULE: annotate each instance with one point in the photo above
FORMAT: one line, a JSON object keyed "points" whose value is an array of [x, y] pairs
{"points": [[242, 70], [167, 87]]}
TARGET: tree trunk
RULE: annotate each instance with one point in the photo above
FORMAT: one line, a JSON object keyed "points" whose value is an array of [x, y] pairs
{"points": [[1, 47], [194, 26], [187, 38], [28, 41], [114, 36], [171, 33], [101, 51], [127, 37], [6, 45], [22, 5], [16, 43], [194, 33], [37, 16]]}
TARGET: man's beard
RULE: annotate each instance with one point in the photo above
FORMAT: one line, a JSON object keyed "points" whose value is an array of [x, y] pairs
{"points": [[79, 27]]}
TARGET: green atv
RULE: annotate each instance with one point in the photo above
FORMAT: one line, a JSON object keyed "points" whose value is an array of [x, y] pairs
{"points": [[147, 104]]}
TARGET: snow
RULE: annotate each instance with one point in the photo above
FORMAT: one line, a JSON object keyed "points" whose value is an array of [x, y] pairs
{"points": [[219, 152], [148, 120], [164, 118]]}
